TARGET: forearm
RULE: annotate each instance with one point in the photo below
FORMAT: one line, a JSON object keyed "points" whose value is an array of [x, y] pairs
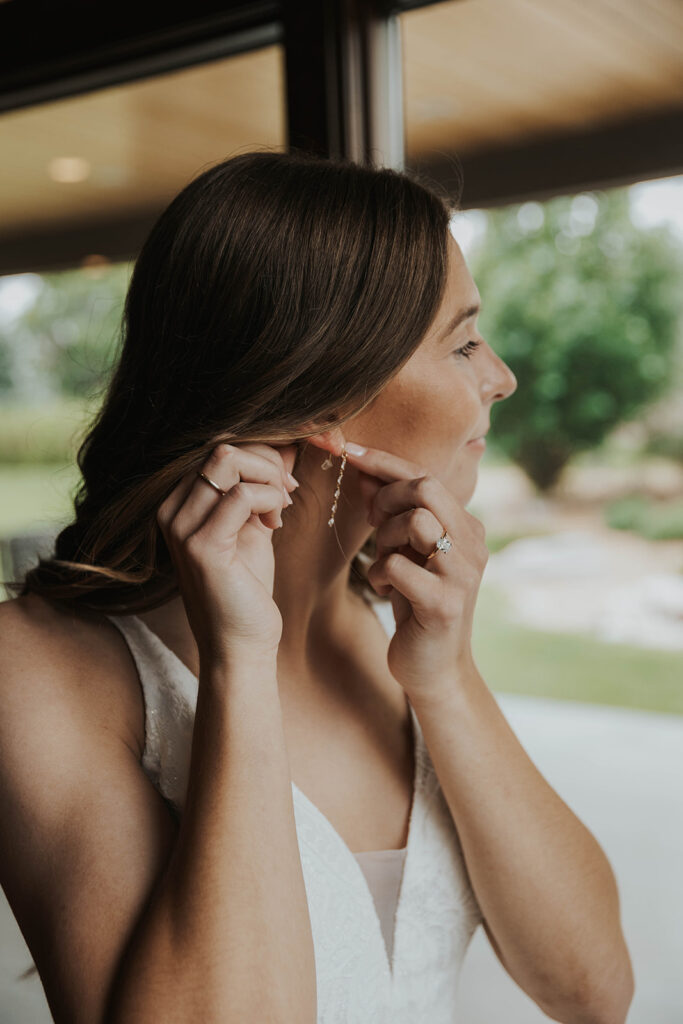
{"points": [[227, 937], [543, 883]]}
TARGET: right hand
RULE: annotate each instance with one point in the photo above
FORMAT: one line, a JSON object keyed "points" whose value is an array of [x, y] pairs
{"points": [[222, 550]]}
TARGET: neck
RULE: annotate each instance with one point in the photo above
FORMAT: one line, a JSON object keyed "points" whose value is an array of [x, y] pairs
{"points": [[313, 563]]}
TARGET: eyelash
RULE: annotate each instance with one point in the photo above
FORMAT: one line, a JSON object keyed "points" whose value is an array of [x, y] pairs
{"points": [[467, 349]]}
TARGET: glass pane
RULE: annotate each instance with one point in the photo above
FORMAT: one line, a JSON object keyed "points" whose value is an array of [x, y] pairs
{"points": [[129, 149], [73, 172], [578, 622], [479, 74]]}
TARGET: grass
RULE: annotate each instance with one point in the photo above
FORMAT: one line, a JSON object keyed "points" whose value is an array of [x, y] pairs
{"points": [[512, 658], [570, 666], [654, 520], [46, 433], [498, 541], [36, 493]]}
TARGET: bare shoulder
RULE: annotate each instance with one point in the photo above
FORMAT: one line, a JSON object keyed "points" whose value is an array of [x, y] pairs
{"points": [[87, 836], [51, 653]]}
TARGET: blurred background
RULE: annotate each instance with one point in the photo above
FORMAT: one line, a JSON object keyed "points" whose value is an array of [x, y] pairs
{"points": [[562, 122]]}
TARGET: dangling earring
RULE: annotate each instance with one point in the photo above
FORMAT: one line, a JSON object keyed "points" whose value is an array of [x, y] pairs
{"points": [[327, 464]]}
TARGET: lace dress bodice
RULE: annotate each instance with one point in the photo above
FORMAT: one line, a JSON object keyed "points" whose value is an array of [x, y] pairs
{"points": [[390, 927]]}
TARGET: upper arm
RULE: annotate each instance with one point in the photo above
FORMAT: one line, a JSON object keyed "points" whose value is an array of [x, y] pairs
{"points": [[85, 835]]}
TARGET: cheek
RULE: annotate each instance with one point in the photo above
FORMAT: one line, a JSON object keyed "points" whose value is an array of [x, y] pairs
{"points": [[442, 410], [427, 413]]}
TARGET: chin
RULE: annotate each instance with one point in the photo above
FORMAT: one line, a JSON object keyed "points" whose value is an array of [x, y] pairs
{"points": [[464, 483]]}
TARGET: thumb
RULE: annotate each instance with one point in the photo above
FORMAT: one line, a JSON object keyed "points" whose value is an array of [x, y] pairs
{"points": [[369, 486]]}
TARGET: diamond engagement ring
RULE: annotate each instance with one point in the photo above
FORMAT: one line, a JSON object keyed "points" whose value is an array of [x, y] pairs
{"points": [[442, 544]]}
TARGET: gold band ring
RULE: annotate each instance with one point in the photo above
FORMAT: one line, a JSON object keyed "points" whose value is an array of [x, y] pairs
{"points": [[215, 486]]}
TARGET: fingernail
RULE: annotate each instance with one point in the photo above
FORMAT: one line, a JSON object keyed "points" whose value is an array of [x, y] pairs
{"points": [[355, 449], [287, 497], [293, 481]]}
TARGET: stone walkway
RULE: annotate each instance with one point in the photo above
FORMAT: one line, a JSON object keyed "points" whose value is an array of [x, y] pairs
{"points": [[582, 576], [612, 586]]}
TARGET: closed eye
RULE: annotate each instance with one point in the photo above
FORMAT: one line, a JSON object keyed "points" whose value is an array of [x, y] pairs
{"points": [[467, 349]]}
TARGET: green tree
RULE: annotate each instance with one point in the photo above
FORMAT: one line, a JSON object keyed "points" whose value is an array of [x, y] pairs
{"points": [[585, 309], [65, 343]]}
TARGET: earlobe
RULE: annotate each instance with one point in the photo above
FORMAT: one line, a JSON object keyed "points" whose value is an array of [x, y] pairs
{"points": [[331, 441]]}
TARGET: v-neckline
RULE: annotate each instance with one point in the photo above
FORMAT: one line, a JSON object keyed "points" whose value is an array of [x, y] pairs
{"points": [[351, 858], [336, 838]]}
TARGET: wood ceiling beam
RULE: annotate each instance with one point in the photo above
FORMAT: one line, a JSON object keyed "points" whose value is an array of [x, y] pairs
{"points": [[649, 146], [64, 247]]}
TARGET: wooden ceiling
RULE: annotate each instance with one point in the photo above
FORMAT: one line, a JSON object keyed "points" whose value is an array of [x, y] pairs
{"points": [[539, 97], [142, 141], [514, 89], [479, 73]]}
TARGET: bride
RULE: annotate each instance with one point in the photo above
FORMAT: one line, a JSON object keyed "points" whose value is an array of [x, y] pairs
{"points": [[249, 769]]}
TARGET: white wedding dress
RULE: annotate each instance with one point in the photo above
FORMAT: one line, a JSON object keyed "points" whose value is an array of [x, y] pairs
{"points": [[390, 927]]}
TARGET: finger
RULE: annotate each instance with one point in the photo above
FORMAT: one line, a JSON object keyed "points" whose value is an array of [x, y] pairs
{"points": [[282, 456], [251, 452], [405, 576], [172, 502], [368, 487], [229, 514], [419, 492], [385, 465], [226, 466], [288, 453], [417, 527]]}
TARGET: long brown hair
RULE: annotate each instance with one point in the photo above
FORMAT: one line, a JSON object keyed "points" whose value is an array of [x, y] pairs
{"points": [[276, 289]]}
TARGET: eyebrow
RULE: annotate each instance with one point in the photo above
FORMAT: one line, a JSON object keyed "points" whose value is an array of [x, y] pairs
{"points": [[460, 318]]}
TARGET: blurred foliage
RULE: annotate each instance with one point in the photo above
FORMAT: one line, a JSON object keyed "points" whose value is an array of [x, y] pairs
{"points": [[583, 306], [585, 309], [670, 445], [46, 433], [67, 340], [654, 520], [497, 541]]}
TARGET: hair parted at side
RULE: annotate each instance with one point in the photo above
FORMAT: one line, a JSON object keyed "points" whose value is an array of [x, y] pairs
{"points": [[276, 289]]}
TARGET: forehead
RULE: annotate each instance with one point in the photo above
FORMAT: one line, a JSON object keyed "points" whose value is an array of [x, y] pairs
{"points": [[460, 294], [461, 291]]}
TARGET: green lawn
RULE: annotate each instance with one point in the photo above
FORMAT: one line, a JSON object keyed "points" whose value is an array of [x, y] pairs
{"points": [[512, 658], [515, 659], [35, 493]]}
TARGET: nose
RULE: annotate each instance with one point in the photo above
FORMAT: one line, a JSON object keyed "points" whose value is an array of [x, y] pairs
{"points": [[501, 381]]}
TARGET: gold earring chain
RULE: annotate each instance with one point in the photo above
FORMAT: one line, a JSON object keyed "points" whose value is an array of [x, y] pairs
{"points": [[327, 464]]}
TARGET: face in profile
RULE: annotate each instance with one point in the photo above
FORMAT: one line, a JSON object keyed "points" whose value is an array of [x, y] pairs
{"points": [[441, 399]]}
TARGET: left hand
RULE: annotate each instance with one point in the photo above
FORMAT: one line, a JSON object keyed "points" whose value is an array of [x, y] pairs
{"points": [[433, 601]]}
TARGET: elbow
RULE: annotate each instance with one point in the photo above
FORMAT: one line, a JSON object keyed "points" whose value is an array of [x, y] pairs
{"points": [[598, 1000]]}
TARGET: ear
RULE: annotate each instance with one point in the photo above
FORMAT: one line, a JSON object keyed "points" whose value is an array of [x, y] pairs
{"points": [[330, 441]]}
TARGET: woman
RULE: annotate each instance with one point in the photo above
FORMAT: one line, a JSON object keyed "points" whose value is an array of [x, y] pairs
{"points": [[230, 795]]}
